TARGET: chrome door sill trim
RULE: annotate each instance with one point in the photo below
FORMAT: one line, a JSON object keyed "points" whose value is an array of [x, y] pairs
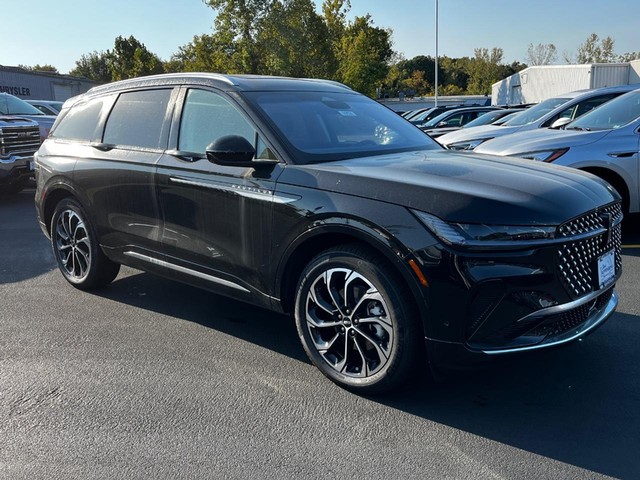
{"points": [[188, 271]]}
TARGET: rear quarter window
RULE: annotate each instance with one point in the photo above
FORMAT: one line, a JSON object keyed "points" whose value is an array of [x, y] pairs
{"points": [[81, 121]]}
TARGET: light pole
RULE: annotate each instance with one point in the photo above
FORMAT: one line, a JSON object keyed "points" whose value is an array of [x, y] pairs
{"points": [[436, 96]]}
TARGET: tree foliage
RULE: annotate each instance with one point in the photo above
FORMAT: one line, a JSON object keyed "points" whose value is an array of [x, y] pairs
{"points": [[94, 66], [363, 55], [541, 54], [40, 68], [594, 50], [295, 41], [629, 57], [237, 26], [130, 58]]}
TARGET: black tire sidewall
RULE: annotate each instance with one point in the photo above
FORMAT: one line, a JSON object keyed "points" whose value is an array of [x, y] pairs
{"points": [[93, 277], [395, 370]]}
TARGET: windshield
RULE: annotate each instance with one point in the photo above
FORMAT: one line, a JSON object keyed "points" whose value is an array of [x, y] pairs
{"points": [[614, 114], [536, 112], [10, 105], [325, 127]]}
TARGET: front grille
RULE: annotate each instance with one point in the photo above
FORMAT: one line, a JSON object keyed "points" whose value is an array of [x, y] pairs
{"points": [[571, 320], [577, 261], [19, 140]]}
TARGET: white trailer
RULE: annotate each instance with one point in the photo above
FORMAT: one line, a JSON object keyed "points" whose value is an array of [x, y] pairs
{"points": [[534, 84]]}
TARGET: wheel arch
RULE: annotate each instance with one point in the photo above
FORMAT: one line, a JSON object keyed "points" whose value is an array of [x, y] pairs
{"points": [[318, 239], [53, 197], [616, 181]]}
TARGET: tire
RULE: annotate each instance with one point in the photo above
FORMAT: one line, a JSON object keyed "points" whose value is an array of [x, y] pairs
{"points": [[369, 349], [76, 250]]}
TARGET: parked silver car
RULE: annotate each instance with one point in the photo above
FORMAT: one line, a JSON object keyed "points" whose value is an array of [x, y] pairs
{"points": [[604, 142], [48, 107], [554, 112]]}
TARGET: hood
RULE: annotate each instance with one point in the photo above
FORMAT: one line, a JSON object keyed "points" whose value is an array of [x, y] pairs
{"points": [[461, 186], [476, 133], [539, 140], [45, 122]]}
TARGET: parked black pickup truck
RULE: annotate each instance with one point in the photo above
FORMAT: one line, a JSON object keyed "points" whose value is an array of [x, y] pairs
{"points": [[19, 140]]}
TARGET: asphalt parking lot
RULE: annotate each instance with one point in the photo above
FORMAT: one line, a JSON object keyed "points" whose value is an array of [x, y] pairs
{"points": [[152, 379]]}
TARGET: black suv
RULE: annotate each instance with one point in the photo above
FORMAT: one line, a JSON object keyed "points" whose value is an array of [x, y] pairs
{"points": [[303, 196]]}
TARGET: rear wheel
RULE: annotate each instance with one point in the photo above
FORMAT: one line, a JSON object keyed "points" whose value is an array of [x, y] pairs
{"points": [[356, 322], [75, 247]]}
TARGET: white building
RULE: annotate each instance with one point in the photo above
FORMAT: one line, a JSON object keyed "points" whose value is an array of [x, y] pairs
{"points": [[534, 84], [30, 85]]}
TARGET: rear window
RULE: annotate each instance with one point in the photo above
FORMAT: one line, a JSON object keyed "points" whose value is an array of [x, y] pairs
{"points": [[137, 119], [81, 121]]}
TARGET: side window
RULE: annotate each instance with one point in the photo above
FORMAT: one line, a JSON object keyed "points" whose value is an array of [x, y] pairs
{"points": [[566, 113], [137, 118], [207, 116], [81, 121], [587, 105], [455, 120]]}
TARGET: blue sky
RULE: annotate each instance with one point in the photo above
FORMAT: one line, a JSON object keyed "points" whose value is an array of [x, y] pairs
{"points": [[57, 32]]}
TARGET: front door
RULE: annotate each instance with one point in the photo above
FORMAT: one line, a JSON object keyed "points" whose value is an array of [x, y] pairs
{"points": [[217, 219]]}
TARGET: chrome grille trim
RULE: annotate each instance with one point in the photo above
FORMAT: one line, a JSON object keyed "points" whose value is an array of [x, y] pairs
{"points": [[19, 140]]}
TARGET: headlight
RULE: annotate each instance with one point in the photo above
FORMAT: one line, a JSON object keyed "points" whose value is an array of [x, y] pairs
{"points": [[479, 235], [543, 156], [467, 144]]}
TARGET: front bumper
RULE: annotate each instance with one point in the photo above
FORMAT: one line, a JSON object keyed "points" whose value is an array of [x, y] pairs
{"points": [[484, 304], [15, 168], [445, 355]]}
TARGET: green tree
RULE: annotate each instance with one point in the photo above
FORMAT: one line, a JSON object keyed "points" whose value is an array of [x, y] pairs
{"points": [[130, 58], [594, 50], [94, 66], [541, 54], [484, 70], [363, 55], [295, 41], [237, 26], [206, 53], [40, 68], [629, 57], [418, 83]]}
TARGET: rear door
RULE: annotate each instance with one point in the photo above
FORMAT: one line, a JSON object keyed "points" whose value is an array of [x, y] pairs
{"points": [[115, 172]]}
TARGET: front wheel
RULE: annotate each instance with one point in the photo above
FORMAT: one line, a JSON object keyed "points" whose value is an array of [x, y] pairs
{"points": [[356, 322], [75, 247]]}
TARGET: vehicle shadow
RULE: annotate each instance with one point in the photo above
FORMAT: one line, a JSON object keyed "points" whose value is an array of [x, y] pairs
{"points": [[578, 404], [258, 326], [26, 252]]}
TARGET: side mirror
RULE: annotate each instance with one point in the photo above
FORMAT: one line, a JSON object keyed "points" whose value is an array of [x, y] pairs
{"points": [[232, 151], [560, 123], [442, 124]]}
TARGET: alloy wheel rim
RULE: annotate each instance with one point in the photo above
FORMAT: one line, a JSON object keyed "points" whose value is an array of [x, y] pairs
{"points": [[72, 245], [349, 323]]}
